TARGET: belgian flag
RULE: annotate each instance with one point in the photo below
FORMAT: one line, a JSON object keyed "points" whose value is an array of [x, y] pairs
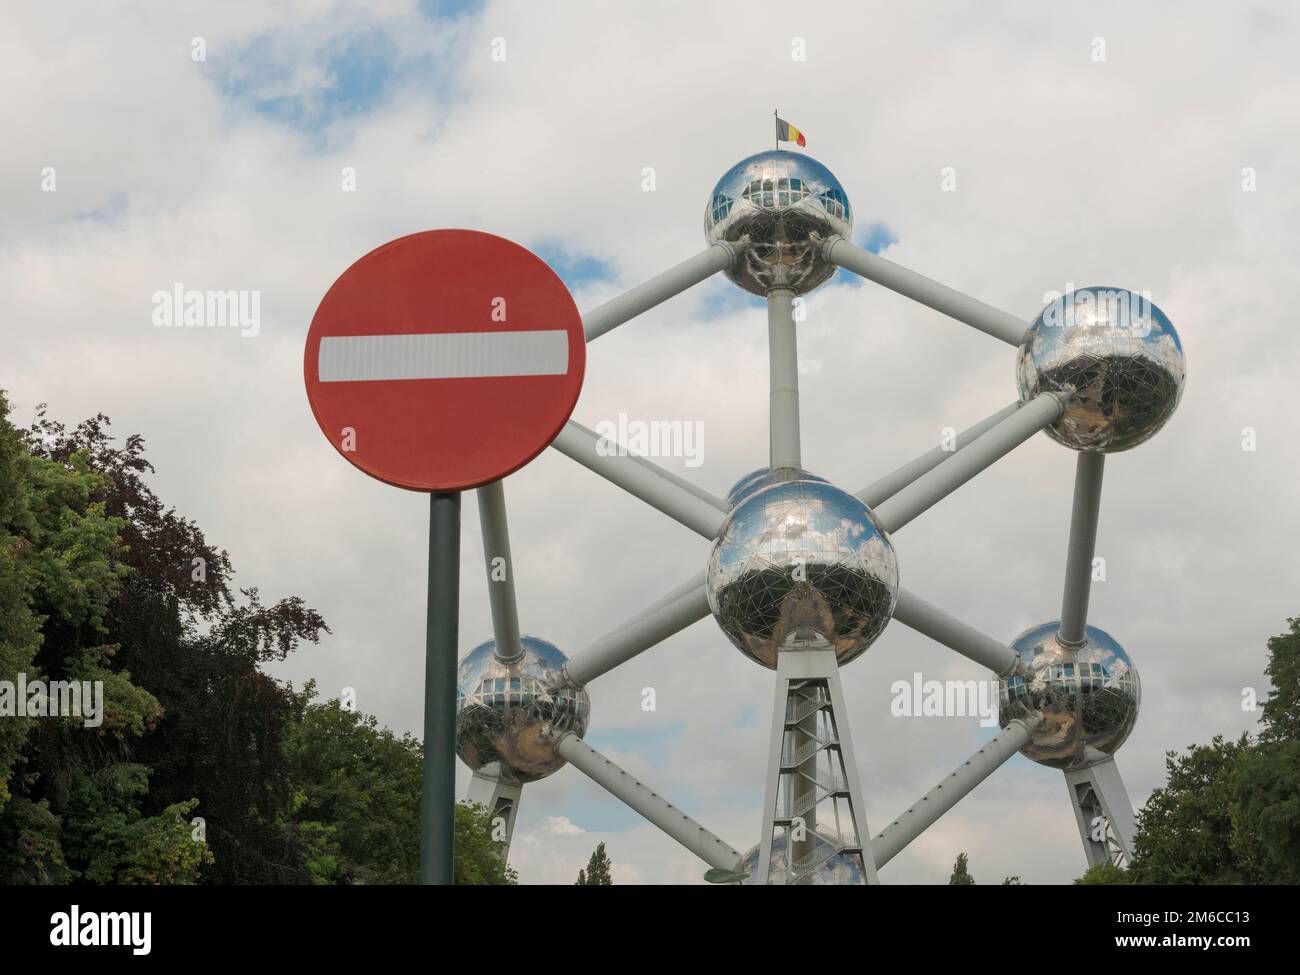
{"points": [[785, 132]]}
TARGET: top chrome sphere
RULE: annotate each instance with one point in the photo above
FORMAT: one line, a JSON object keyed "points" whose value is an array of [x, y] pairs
{"points": [[842, 869], [1089, 696], [513, 712], [800, 559], [1118, 359], [786, 204]]}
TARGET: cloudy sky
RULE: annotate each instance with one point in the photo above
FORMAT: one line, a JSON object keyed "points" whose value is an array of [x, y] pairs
{"points": [[1148, 148]]}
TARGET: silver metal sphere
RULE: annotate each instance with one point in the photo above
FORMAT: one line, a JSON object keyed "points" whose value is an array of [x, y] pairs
{"points": [[1117, 357], [785, 204], [801, 559], [1089, 696], [842, 869], [513, 712]]}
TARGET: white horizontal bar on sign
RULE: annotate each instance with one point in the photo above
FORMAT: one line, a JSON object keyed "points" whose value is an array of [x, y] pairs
{"points": [[443, 355]]}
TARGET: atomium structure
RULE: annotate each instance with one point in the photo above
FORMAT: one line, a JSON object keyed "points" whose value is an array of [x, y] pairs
{"points": [[802, 577]]}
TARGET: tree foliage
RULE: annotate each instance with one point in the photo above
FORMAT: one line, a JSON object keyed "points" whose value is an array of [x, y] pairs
{"points": [[205, 768], [357, 790], [479, 857], [599, 871], [1185, 830], [960, 873], [74, 803], [1229, 811], [1105, 874]]}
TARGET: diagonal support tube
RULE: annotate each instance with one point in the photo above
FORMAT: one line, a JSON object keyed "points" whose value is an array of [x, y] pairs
{"points": [[710, 499], [893, 482], [925, 812], [636, 636], [639, 477], [674, 612], [913, 611], [658, 289], [653, 625], [1083, 545], [996, 442], [500, 574], [659, 811], [689, 586], [940, 297]]}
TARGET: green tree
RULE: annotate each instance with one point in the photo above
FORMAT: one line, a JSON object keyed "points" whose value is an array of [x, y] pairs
{"points": [[598, 872], [356, 785], [960, 874], [1185, 830], [479, 857], [20, 634], [73, 802], [100, 581], [356, 803], [1266, 815], [1281, 709], [1105, 873], [1229, 812], [218, 722]]}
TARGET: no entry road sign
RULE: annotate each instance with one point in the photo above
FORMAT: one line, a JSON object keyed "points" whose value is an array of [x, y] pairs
{"points": [[444, 360]]}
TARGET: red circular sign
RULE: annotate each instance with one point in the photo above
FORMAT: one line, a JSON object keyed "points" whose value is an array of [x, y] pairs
{"points": [[444, 360]]}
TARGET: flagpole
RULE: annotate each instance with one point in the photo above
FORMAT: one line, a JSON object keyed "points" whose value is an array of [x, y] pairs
{"points": [[776, 129]]}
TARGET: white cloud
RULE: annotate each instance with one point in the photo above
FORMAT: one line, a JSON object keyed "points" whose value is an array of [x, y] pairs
{"points": [[560, 826]]}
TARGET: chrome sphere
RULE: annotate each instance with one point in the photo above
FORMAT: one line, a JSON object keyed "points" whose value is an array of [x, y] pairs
{"points": [[800, 559], [785, 204], [1118, 359], [844, 869], [1089, 696], [512, 713]]}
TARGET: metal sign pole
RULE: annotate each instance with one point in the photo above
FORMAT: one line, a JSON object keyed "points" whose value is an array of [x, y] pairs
{"points": [[438, 802]]}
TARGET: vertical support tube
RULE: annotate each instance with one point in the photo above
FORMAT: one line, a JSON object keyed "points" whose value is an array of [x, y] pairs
{"points": [[438, 794], [818, 667], [1103, 811], [772, 783], [783, 360], [857, 803], [498, 796], [1083, 543], [500, 575], [804, 788]]}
